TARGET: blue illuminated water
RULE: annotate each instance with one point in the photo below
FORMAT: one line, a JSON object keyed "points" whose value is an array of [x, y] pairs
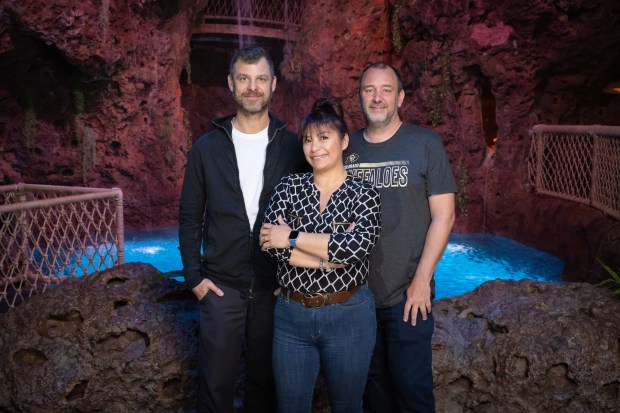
{"points": [[469, 260], [159, 247], [472, 259]]}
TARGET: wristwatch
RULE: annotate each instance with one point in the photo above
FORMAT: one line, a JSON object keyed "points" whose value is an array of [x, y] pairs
{"points": [[292, 238]]}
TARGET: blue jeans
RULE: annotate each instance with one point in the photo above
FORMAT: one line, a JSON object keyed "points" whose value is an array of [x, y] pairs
{"points": [[338, 337], [401, 372]]}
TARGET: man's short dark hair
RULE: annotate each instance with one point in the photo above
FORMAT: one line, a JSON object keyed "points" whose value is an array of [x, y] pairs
{"points": [[380, 65], [251, 54]]}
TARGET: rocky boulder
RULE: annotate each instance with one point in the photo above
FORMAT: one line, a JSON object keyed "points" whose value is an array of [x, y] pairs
{"points": [[117, 341], [124, 340], [528, 347]]}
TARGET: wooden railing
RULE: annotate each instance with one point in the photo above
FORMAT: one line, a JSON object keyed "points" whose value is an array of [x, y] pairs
{"points": [[577, 162], [50, 233], [266, 18]]}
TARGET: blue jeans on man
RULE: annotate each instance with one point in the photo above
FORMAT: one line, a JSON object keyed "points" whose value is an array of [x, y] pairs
{"points": [[400, 378]]}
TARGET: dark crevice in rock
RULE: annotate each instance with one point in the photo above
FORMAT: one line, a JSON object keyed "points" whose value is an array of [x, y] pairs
{"points": [[497, 368], [78, 391], [520, 367], [497, 328], [30, 357], [121, 303], [460, 387], [128, 345], [536, 289], [610, 391], [558, 378], [72, 317], [171, 388], [589, 311], [64, 324], [469, 314], [116, 280]]}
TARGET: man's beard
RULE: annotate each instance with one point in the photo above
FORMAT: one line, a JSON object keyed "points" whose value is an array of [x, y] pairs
{"points": [[255, 106], [382, 118]]}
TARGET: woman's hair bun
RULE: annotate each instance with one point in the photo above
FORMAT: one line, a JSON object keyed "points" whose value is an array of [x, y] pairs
{"points": [[325, 112], [328, 105]]}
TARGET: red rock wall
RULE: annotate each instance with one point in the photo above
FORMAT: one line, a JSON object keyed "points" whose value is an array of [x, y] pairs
{"points": [[469, 68], [90, 96]]}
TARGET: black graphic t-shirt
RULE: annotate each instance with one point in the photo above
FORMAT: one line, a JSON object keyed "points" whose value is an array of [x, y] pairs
{"points": [[296, 198], [406, 169]]}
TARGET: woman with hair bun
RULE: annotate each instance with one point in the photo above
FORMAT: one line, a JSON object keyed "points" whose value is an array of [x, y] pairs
{"points": [[320, 226]]}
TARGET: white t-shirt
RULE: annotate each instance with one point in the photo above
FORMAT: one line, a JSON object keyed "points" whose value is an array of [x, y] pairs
{"points": [[250, 151]]}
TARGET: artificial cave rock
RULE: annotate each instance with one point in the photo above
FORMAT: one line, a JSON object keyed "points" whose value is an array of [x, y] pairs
{"points": [[527, 346], [117, 341], [124, 340]]}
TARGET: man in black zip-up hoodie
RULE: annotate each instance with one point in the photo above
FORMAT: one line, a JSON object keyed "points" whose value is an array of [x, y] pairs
{"points": [[230, 175]]}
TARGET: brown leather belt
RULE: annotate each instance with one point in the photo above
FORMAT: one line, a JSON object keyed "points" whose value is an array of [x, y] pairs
{"points": [[318, 300]]}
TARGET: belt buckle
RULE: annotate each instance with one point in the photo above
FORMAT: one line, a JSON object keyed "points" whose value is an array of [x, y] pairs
{"points": [[311, 296]]}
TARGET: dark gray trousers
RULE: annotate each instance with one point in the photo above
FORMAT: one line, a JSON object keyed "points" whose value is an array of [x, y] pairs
{"points": [[226, 325]]}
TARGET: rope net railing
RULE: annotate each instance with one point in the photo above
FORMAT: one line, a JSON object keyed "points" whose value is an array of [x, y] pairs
{"points": [[268, 18], [577, 162], [51, 233]]}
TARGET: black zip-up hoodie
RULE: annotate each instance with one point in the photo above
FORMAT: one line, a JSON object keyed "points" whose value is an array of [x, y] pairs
{"points": [[212, 212]]}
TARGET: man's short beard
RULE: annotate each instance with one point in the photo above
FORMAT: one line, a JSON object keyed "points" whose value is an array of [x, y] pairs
{"points": [[383, 122], [251, 110], [241, 106]]}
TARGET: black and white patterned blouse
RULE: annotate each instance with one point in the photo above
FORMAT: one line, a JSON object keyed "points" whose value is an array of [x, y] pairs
{"points": [[297, 200]]}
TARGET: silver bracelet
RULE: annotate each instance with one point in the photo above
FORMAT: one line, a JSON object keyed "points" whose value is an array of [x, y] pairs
{"points": [[321, 264]]}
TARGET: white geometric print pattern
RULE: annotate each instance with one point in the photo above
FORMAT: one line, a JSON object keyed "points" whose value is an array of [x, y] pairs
{"points": [[297, 200]]}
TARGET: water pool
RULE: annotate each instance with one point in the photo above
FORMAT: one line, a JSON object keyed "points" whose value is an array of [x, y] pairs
{"points": [[472, 259], [469, 260]]}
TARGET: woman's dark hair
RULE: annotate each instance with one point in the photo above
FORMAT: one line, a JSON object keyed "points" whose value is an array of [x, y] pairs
{"points": [[325, 112]]}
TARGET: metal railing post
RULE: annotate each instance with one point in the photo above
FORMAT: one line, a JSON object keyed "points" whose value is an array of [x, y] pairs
{"points": [[23, 233], [120, 228]]}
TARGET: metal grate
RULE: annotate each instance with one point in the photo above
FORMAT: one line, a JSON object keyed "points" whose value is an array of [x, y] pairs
{"points": [[577, 162], [50, 233], [275, 18]]}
